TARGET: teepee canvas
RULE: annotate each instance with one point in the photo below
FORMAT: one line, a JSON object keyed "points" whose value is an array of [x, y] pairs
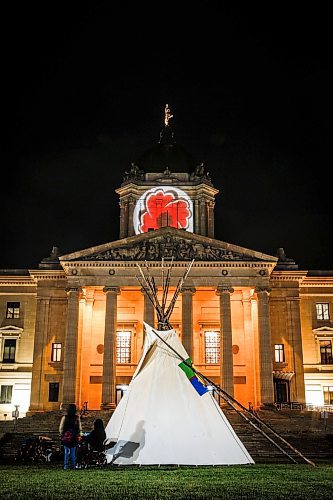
{"points": [[167, 416]]}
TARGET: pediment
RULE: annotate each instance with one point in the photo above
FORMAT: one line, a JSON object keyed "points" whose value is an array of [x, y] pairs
{"points": [[168, 243], [323, 331], [10, 330]]}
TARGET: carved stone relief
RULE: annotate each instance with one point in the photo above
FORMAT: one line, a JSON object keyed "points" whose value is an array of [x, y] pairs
{"points": [[167, 247]]}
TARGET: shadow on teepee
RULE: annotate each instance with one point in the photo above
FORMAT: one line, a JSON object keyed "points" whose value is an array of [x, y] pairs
{"points": [[129, 449], [168, 415]]}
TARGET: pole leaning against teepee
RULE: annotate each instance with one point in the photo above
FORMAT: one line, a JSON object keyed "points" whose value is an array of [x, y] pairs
{"points": [[148, 283], [233, 402]]}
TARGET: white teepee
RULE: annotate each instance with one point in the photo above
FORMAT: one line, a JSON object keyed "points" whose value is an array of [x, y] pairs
{"points": [[162, 419]]}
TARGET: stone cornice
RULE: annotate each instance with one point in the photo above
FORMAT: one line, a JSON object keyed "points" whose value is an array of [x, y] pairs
{"points": [[39, 275], [288, 276], [157, 263], [317, 281], [17, 281], [139, 186], [302, 277]]}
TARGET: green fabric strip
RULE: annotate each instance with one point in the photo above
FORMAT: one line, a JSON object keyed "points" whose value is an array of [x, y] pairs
{"points": [[188, 371]]}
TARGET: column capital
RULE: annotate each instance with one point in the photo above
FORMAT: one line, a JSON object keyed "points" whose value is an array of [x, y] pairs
{"points": [[112, 289], [224, 289], [263, 289], [188, 289], [73, 289]]}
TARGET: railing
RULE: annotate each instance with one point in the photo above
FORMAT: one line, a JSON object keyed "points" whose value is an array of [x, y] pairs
{"points": [[310, 407], [292, 405]]}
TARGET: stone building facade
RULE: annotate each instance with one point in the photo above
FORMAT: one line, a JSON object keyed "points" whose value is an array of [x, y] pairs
{"points": [[72, 330]]}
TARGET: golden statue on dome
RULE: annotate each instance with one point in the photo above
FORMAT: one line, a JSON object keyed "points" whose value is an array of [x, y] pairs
{"points": [[167, 115]]}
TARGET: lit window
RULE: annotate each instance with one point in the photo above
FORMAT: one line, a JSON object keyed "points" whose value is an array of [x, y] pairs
{"points": [[13, 310], [9, 351], [123, 347], [212, 347], [54, 392], [6, 394], [56, 352], [279, 353], [326, 352], [323, 311], [328, 395]]}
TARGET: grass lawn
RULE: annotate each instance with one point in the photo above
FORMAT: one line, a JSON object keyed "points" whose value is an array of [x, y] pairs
{"points": [[254, 481]]}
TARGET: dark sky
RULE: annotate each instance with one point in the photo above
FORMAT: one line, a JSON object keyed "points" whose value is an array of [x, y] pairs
{"points": [[84, 89]]}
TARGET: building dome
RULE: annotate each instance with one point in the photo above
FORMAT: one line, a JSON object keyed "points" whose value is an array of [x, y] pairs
{"points": [[166, 154], [163, 155]]}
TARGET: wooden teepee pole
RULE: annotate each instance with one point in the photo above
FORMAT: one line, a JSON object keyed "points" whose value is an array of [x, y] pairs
{"points": [[233, 402], [177, 292]]}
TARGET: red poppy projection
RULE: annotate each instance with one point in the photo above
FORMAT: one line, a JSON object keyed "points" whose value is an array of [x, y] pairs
{"points": [[163, 206]]}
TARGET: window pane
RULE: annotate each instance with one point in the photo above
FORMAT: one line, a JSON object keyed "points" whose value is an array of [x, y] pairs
{"points": [[9, 351], [328, 395], [326, 352], [212, 347], [13, 310], [53, 392], [323, 311], [124, 347], [279, 353], [56, 352], [6, 394]]}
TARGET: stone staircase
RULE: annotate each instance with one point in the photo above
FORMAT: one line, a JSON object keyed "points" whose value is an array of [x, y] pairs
{"points": [[39, 424], [304, 430]]}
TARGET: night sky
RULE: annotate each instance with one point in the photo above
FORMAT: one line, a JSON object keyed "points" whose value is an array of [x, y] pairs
{"points": [[84, 88]]}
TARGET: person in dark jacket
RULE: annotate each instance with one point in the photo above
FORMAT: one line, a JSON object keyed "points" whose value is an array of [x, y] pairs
{"points": [[97, 436], [70, 425]]}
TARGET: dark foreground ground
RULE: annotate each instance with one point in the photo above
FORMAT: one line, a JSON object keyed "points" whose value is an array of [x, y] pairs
{"points": [[232, 482]]}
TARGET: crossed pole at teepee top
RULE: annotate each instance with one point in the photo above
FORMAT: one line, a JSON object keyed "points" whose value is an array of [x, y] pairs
{"points": [[148, 283]]}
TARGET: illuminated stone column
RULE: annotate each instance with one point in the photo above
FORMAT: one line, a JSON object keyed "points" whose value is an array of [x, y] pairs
{"points": [[40, 342], [131, 205], [148, 311], [265, 348], [196, 217], [123, 218], [203, 215], [70, 347], [187, 319], [86, 347], [250, 352], [110, 343], [295, 338], [227, 368], [210, 208]]}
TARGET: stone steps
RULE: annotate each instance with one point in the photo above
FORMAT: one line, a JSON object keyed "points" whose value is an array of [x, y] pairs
{"points": [[304, 431]]}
